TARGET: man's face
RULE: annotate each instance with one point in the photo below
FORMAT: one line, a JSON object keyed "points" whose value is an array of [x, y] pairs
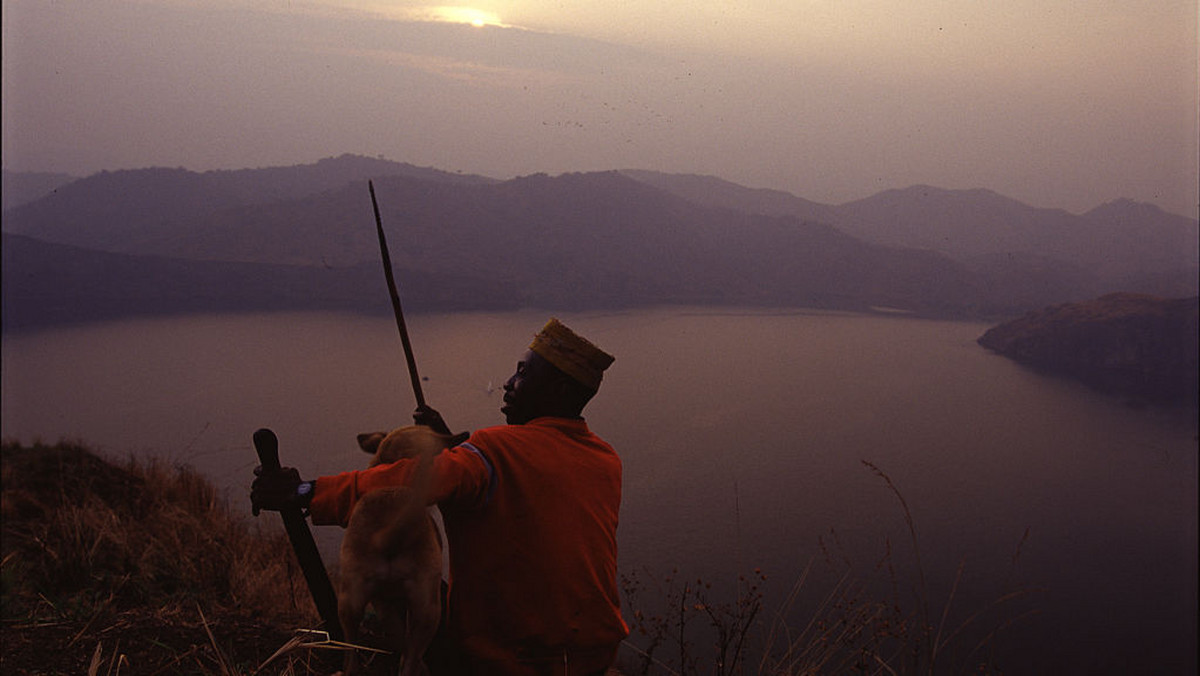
{"points": [[528, 394]]}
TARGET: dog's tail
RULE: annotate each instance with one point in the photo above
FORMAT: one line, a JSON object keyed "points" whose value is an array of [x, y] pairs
{"points": [[403, 510]]}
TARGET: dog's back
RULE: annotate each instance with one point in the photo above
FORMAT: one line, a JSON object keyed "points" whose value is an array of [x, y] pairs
{"points": [[392, 554]]}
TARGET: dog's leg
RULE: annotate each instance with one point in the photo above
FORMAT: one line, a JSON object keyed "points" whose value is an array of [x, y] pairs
{"points": [[352, 604], [395, 627], [424, 614]]}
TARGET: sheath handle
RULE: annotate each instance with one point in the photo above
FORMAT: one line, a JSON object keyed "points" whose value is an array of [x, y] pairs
{"points": [[266, 444]]}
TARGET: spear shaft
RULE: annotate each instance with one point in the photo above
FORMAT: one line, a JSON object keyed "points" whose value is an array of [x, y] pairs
{"points": [[396, 309]]}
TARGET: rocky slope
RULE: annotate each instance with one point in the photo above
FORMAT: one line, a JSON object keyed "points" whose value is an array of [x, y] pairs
{"points": [[1134, 345]]}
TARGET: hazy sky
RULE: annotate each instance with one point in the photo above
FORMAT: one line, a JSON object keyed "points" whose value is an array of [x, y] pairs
{"points": [[1057, 103]]}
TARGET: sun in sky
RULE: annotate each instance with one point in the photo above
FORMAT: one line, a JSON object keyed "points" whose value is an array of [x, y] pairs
{"points": [[469, 15]]}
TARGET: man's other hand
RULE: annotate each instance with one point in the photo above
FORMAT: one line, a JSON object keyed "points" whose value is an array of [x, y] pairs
{"points": [[276, 491], [426, 416]]}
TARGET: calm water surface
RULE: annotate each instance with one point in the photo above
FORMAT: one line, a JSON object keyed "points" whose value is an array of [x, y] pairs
{"points": [[743, 436]]}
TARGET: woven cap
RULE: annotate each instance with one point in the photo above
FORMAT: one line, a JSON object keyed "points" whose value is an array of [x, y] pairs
{"points": [[572, 354]]}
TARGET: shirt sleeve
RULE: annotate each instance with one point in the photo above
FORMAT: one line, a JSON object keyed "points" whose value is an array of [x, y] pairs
{"points": [[462, 476]]}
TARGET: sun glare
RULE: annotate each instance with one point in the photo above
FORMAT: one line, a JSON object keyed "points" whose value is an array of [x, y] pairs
{"points": [[476, 17]]}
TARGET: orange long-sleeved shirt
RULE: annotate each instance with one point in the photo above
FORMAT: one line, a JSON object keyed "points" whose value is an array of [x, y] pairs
{"points": [[531, 517]]}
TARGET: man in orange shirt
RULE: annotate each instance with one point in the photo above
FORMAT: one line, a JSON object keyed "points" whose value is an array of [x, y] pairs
{"points": [[530, 510]]}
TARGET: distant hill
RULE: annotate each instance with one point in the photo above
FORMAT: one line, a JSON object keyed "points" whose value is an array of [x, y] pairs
{"points": [[576, 241], [1121, 238], [585, 240], [969, 223], [17, 188], [49, 284], [121, 210], [588, 240], [1130, 344], [711, 191], [1033, 256]]}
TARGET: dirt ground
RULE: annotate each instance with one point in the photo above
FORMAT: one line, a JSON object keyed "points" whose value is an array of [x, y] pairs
{"points": [[143, 642], [138, 642]]}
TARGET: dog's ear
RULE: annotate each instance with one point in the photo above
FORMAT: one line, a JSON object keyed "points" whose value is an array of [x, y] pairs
{"points": [[455, 440], [369, 441]]}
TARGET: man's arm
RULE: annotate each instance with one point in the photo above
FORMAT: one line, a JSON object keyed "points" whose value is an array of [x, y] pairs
{"points": [[461, 476], [283, 489]]}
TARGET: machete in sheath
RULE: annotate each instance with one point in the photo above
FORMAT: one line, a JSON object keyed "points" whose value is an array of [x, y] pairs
{"points": [[267, 446]]}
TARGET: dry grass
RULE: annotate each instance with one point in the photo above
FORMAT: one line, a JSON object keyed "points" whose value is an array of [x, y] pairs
{"points": [[135, 567], [855, 627]]}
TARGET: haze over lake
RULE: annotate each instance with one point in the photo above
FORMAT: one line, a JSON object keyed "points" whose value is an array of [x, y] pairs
{"points": [[742, 433]]}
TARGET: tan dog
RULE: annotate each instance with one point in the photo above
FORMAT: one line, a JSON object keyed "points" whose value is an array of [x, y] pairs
{"points": [[392, 553]]}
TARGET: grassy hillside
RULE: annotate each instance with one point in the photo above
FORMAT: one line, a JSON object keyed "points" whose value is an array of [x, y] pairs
{"points": [[137, 568]]}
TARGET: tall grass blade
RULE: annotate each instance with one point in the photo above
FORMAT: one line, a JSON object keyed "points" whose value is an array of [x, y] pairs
{"points": [[225, 670]]}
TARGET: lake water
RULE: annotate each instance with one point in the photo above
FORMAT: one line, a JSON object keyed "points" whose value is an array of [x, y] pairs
{"points": [[743, 435]]}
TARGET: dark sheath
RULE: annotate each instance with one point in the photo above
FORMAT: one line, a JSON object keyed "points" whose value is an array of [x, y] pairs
{"points": [[267, 446]]}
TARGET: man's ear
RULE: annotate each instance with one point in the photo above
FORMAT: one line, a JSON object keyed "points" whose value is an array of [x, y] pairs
{"points": [[369, 441], [569, 391], [563, 386]]}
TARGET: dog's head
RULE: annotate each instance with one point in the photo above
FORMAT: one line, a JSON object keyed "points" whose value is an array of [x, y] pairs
{"points": [[406, 442]]}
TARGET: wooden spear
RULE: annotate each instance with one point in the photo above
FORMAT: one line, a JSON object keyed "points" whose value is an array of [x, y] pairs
{"points": [[396, 309]]}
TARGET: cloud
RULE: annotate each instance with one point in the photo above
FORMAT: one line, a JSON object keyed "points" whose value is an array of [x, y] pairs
{"points": [[455, 68], [400, 11]]}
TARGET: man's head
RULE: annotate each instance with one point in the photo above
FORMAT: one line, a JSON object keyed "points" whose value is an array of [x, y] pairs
{"points": [[557, 376]]}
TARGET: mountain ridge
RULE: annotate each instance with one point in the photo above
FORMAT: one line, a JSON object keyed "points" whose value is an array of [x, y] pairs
{"points": [[21, 187], [578, 240]]}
